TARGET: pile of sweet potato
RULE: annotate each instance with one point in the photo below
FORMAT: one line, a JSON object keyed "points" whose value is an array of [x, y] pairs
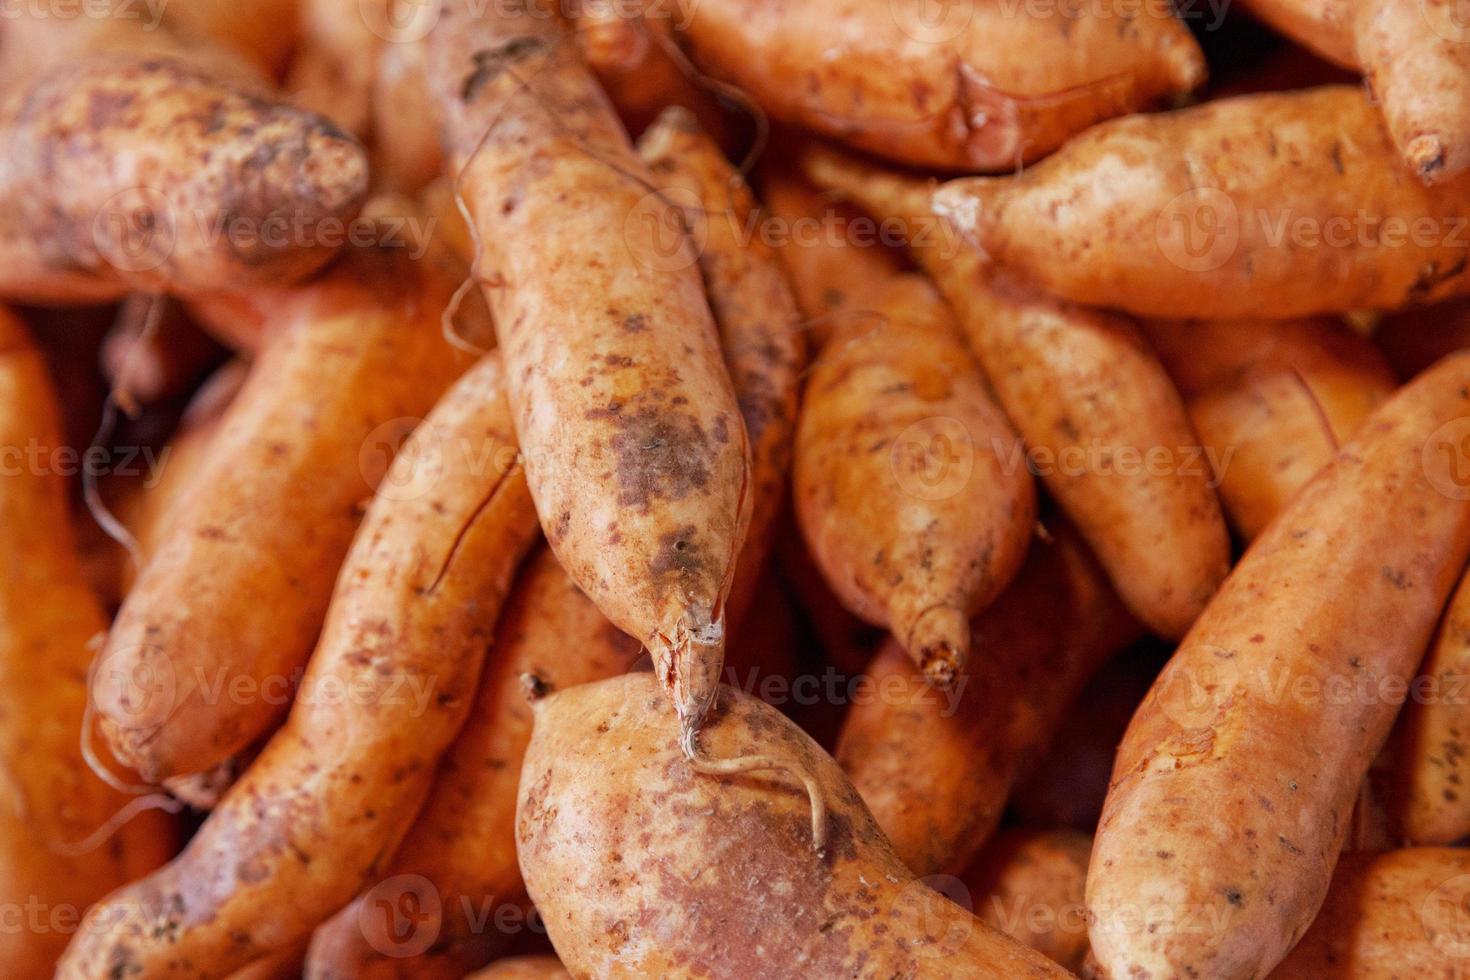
{"points": [[730, 489]]}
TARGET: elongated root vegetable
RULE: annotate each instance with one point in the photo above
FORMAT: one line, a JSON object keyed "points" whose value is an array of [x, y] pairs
{"points": [[1029, 885], [635, 59], [1272, 401], [1417, 64], [1277, 205], [901, 482], [1107, 430], [833, 252], [337, 787], [264, 31], [463, 842], [935, 768], [636, 452], [52, 804], [754, 310], [1427, 771], [953, 93], [1233, 787], [1398, 914], [622, 842], [129, 173], [358, 357], [525, 968], [335, 66]]}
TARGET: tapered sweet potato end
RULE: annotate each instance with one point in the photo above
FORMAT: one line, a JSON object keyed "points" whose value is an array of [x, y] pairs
{"points": [[938, 640], [961, 205]]}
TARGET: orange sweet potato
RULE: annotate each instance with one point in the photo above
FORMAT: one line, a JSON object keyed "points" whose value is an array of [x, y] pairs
{"points": [[1028, 884], [901, 484], [1272, 401], [524, 968], [1106, 428], [980, 87], [1234, 786], [1276, 205], [358, 357], [48, 621], [935, 768], [641, 867], [386, 692], [635, 449]]}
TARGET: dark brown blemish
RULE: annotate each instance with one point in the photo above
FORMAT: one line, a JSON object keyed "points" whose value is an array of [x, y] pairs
{"points": [[660, 456], [491, 63]]}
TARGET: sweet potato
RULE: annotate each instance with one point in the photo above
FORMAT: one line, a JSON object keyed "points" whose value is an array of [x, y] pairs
{"points": [[1106, 428], [48, 619], [830, 248], [1272, 401], [1426, 772], [641, 867], [285, 965], [1417, 65], [385, 693], [634, 57], [636, 452], [525, 968], [335, 66], [127, 170], [1399, 914], [463, 842], [405, 120], [1029, 884], [901, 482], [263, 31], [1276, 205], [358, 359], [754, 310], [954, 92], [935, 768], [1233, 787]]}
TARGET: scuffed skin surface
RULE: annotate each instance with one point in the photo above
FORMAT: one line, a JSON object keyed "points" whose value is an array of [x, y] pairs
{"points": [[635, 449], [1275, 205], [1234, 785], [463, 842], [981, 87], [907, 481], [125, 174], [48, 618], [755, 311], [1272, 400], [1415, 59], [296, 455], [1106, 427], [1426, 771], [1029, 885], [935, 772], [1393, 916], [335, 790], [641, 867]]}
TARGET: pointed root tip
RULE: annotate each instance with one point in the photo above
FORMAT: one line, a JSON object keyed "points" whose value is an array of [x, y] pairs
{"points": [[534, 687], [940, 644], [960, 208], [1426, 154]]}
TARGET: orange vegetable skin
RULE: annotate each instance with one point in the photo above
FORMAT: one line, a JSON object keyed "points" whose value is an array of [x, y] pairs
{"points": [[386, 692], [1387, 916], [127, 173], [1272, 401], [1234, 785], [463, 842], [643, 868], [935, 768], [1106, 428], [636, 453], [1425, 774], [1275, 205], [1029, 885], [48, 619], [525, 968], [901, 482], [297, 453], [983, 88], [755, 311]]}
